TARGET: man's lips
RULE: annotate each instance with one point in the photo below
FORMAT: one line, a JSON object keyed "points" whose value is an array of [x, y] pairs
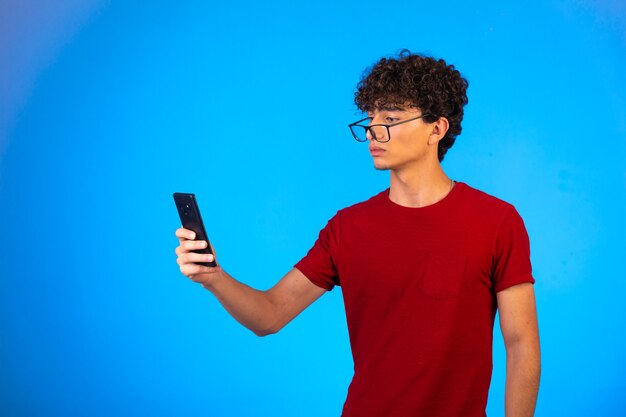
{"points": [[374, 150]]}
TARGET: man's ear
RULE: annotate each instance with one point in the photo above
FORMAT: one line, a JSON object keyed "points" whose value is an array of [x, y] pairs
{"points": [[439, 129]]}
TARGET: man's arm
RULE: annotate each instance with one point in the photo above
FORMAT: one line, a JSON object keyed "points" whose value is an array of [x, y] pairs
{"points": [[265, 312], [518, 322]]}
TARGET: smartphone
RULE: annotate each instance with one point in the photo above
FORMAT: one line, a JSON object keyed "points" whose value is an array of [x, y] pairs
{"points": [[190, 218]]}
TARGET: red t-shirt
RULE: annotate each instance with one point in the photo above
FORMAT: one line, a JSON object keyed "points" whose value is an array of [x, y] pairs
{"points": [[419, 288]]}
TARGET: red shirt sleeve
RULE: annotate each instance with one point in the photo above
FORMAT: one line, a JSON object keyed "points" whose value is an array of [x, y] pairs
{"points": [[320, 263], [511, 256]]}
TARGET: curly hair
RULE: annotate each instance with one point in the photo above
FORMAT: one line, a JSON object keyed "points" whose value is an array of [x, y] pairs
{"points": [[421, 82]]}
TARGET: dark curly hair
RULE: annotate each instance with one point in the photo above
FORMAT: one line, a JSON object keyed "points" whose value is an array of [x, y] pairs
{"points": [[421, 82]]}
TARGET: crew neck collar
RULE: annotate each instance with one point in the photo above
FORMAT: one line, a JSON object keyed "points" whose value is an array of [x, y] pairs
{"points": [[444, 202]]}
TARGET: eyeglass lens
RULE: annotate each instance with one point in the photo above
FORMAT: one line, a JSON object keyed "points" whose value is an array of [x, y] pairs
{"points": [[378, 132]]}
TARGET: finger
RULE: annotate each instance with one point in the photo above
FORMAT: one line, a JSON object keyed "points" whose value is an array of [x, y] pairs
{"points": [[192, 257], [181, 232], [203, 277], [182, 249], [185, 233], [179, 237], [192, 270], [194, 244]]}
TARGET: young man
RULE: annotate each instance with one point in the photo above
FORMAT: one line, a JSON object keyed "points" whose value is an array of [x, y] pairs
{"points": [[423, 265]]}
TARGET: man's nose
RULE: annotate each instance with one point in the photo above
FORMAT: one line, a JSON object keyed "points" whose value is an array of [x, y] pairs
{"points": [[379, 133]]}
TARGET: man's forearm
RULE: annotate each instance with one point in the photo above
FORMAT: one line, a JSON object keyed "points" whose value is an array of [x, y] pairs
{"points": [[523, 369], [250, 307]]}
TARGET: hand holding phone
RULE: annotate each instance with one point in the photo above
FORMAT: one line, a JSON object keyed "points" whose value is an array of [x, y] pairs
{"points": [[192, 220]]}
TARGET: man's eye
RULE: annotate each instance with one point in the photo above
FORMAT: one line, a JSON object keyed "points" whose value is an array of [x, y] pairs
{"points": [[391, 119]]}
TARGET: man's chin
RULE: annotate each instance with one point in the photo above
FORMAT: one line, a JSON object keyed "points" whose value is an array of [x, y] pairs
{"points": [[381, 167]]}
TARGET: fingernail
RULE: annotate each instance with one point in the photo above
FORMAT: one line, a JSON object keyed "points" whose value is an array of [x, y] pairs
{"points": [[209, 258], [190, 235]]}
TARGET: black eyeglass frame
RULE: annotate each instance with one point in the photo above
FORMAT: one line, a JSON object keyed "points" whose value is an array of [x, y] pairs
{"points": [[387, 126]]}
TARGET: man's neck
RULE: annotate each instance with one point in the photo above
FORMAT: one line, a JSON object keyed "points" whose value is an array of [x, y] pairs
{"points": [[419, 186]]}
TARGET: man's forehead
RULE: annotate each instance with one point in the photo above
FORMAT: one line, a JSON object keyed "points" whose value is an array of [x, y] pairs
{"points": [[393, 108]]}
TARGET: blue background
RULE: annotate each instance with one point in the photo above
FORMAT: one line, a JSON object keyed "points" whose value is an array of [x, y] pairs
{"points": [[107, 108]]}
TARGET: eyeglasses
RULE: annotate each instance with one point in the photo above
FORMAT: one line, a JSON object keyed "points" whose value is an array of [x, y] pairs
{"points": [[377, 131]]}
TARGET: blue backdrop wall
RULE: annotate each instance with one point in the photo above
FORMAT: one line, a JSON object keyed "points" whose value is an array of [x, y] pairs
{"points": [[107, 108]]}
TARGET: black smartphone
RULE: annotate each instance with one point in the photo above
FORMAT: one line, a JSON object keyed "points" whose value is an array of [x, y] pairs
{"points": [[190, 218]]}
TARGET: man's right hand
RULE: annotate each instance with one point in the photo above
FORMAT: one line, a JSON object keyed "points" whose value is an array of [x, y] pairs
{"points": [[187, 259]]}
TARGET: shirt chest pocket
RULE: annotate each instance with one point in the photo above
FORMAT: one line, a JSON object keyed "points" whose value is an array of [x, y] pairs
{"points": [[443, 275]]}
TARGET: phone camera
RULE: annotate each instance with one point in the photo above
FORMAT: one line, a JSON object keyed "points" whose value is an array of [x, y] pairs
{"points": [[184, 208]]}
